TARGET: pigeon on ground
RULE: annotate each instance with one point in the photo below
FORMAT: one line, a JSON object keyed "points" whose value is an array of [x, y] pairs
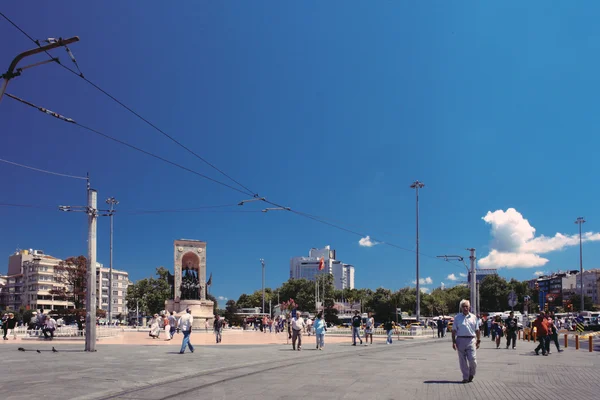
{"points": [[54, 350], [21, 349], [38, 351]]}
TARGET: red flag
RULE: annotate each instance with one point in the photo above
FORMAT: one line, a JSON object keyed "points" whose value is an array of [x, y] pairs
{"points": [[322, 264]]}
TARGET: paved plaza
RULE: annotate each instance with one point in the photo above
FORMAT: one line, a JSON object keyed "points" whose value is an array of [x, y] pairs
{"points": [[409, 369]]}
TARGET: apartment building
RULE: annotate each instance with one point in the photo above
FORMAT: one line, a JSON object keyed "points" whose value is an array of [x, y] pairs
{"points": [[31, 277], [120, 284]]}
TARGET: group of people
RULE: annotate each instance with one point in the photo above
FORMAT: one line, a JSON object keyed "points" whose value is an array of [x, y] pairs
{"points": [[167, 322], [466, 335], [298, 325], [546, 332], [496, 328]]}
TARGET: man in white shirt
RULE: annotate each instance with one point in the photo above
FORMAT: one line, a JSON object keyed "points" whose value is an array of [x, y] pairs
{"points": [[465, 330], [185, 325], [297, 325], [50, 326]]}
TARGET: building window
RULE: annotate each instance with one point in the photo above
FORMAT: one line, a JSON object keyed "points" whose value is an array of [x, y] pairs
{"points": [[115, 284], [115, 292]]}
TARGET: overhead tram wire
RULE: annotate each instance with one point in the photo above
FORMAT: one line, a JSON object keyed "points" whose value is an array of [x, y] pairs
{"points": [[249, 192], [80, 75], [134, 147], [43, 170], [219, 182], [206, 209], [29, 206]]}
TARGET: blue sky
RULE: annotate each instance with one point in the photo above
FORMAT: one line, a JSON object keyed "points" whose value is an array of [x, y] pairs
{"points": [[330, 108]]}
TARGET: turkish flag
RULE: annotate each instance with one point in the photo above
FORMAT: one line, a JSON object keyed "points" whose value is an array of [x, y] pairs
{"points": [[322, 264]]}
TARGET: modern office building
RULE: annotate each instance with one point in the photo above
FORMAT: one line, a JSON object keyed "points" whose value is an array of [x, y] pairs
{"points": [[308, 267]]}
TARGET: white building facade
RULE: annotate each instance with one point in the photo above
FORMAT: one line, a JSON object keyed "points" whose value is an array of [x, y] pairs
{"points": [[119, 290], [308, 268], [31, 279]]}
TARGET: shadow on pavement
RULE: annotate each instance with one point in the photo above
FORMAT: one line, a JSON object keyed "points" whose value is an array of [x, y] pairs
{"points": [[445, 382]]}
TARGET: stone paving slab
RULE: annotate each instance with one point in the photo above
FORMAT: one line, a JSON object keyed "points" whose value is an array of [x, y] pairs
{"points": [[426, 369]]}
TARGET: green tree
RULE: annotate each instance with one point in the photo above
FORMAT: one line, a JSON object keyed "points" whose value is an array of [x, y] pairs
{"points": [[230, 315], [72, 272], [575, 299], [150, 293], [493, 292], [381, 304]]}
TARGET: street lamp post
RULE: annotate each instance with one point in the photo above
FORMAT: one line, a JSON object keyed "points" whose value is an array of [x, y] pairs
{"points": [[418, 185], [579, 222], [112, 202], [262, 261]]}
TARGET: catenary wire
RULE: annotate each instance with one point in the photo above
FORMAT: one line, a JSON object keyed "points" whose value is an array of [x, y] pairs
{"points": [[249, 191], [137, 149], [42, 170], [80, 75]]}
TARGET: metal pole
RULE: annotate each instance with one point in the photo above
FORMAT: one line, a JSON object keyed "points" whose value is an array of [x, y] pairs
{"points": [[417, 185], [137, 312], [263, 285], [111, 201], [90, 304], [473, 299], [579, 222]]}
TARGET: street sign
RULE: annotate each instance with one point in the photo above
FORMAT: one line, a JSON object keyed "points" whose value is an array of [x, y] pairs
{"points": [[512, 299]]}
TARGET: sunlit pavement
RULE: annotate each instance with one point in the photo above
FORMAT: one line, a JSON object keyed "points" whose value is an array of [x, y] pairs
{"points": [[408, 369]]}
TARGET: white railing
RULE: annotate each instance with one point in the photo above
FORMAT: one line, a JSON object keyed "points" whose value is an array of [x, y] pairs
{"points": [[70, 331], [382, 332]]}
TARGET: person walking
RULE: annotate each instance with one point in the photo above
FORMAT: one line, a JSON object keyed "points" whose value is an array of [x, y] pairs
{"points": [[9, 326], [389, 329], [498, 330], [172, 324], [356, 323], [167, 326], [553, 337], [185, 325], [320, 328], [298, 325], [541, 325], [218, 328], [511, 330], [465, 340], [440, 327], [369, 326], [155, 327]]}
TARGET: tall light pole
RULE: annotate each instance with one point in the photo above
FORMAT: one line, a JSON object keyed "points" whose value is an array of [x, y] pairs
{"points": [[418, 185], [579, 222], [262, 261], [112, 202]]}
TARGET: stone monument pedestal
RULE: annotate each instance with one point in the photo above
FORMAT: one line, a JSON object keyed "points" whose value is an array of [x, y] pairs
{"points": [[202, 310]]}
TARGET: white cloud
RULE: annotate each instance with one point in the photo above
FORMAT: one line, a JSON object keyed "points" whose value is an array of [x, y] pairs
{"points": [[512, 260], [463, 274], [452, 277], [367, 242], [539, 273], [514, 244], [221, 298], [424, 281], [443, 285], [424, 290]]}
